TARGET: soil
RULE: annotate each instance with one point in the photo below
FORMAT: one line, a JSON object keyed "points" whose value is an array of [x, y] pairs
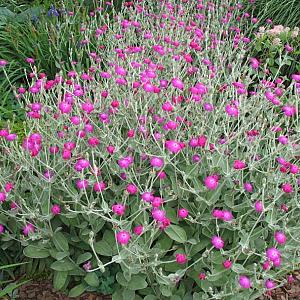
{"points": [[43, 290]]}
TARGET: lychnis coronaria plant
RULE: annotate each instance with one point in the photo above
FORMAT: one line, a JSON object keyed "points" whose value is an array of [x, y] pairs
{"points": [[171, 157]]}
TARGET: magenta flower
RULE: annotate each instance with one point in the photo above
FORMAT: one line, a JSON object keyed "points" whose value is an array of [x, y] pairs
{"points": [[123, 237], [217, 242]]}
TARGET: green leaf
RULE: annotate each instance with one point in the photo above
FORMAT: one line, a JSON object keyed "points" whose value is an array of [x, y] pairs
{"points": [[199, 246], [117, 295], [121, 279], [77, 290], [29, 14], [240, 269], [150, 297], [137, 282], [103, 248], [166, 290], [5, 13], [62, 265], [128, 294], [59, 279], [60, 242], [11, 287], [58, 255], [92, 279], [35, 252], [176, 233], [83, 258]]}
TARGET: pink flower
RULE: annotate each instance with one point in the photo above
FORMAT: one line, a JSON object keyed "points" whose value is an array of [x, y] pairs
{"points": [[296, 77], [211, 182], [55, 209], [289, 110], [123, 237], [99, 186], [239, 165], [82, 184], [65, 107], [81, 165], [280, 237], [158, 215], [283, 140], [118, 209], [181, 258], [87, 266], [254, 63], [248, 187], [287, 188], [273, 254], [2, 228], [131, 189], [259, 206], [2, 197], [93, 141], [227, 264], [125, 162], [177, 83], [156, 162], [29, 228], [232, 110], [183, 213], [270, 284], [147, 196], [138, 230], [3, 63], [202, 141], [244, 282], [202, 276], [218, 214], [8, 187], [266, 265], [167, 106], [217, 242], [227, 216], [174, 146]]}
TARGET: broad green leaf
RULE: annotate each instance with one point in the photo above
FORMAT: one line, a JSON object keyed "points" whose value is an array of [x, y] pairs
{"points": [[92, 279], [137, 282], [77, 290], [150, 297], [103, 248], [62, 265], [121, 279], [83, 258], [60, 242], [176, 233], [128, 294], [35, 252], [59, 279]]}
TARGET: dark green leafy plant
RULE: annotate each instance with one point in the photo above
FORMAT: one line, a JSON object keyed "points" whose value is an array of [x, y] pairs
{"points": [[278, 50], [284, 13]]}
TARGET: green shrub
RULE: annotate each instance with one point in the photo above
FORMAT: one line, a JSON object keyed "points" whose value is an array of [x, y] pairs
{"points": [[168, 161], [278, 50]]}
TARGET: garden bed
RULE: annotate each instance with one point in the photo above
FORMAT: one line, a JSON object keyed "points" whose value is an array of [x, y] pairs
{"points": [[43, 290]]}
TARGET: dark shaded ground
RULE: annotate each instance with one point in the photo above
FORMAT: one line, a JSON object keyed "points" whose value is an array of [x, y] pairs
{"points": [[43, 290], [287, 292]]}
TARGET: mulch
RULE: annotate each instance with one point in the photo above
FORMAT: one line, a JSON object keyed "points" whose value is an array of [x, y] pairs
{"points": [[43, 290]]}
